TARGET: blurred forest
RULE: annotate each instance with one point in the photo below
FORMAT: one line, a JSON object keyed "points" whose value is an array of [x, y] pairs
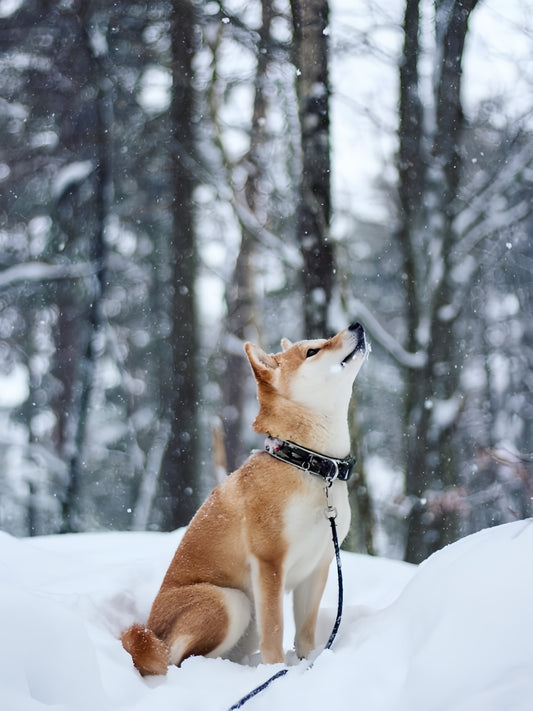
{"points": [[170, 187]]}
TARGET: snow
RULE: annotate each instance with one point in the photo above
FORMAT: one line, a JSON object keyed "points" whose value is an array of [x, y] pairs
{"points": [[155, 85], [454, 634], [9, 7], [70, 175], [14, 386], [500, 55]]}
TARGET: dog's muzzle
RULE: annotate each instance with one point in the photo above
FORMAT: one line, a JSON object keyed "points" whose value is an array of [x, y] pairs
{"points": [[357, 333]]}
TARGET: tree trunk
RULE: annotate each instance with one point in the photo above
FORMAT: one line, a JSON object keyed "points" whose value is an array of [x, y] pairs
{"points": [[310, 22], [240, 293], [178, 496], [428, 189], [239, 299], [103, 186]]}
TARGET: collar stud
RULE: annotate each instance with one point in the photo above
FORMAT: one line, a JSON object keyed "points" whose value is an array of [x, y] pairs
{"points": [[329, 468]]}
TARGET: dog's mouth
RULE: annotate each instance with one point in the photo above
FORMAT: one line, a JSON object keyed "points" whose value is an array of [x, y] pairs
{"points": [[349, 357]]}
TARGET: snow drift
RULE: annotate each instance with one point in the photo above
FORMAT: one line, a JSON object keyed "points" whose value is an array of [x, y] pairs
{"points": [[455, 634]]}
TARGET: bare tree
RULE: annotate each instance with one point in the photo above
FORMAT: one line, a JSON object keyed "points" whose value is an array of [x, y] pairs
{"points": [[74, 433], [430, 170], [310, 22], [178, 494], [241, 306]]}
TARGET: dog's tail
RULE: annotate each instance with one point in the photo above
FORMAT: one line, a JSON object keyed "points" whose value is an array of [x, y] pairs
{"points": [[149, 653]]}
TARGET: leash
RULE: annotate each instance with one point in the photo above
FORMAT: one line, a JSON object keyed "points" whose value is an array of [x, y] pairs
{"points": [[331, 514]]}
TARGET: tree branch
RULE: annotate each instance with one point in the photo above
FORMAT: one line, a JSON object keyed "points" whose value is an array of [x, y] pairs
{"points": [[41, 271], [414, 361]]}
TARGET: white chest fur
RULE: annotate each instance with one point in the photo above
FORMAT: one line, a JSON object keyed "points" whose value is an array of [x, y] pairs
{"points": [[307, 529]]}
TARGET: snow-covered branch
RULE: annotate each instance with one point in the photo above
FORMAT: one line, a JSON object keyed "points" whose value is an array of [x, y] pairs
{"points": [[224, 184], [493, 223], [41, 271], [286, 251], [42, 456], [486, 193], [148, 486], [383, 337]]}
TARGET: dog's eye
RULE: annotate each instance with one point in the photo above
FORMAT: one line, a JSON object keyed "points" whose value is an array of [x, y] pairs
{"points": [[312, 352]]}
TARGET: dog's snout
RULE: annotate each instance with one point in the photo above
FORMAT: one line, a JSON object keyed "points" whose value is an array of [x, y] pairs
{"points": [[359, 334]]}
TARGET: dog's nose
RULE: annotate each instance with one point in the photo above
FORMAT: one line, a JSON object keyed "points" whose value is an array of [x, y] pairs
{"points": [[356, 326]]}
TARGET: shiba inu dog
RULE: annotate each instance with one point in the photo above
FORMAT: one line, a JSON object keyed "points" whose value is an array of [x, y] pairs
{"points": [[264, 530]]}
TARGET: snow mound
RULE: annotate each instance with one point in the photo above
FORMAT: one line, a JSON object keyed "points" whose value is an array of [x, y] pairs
{"points": [[455, 634]]}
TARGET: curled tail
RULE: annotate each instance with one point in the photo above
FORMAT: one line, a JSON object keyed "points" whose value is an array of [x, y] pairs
{"points": [[149, 653]]}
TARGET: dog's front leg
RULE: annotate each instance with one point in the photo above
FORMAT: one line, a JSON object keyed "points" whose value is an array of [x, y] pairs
{"points": [[268, 595], [306, 601]]}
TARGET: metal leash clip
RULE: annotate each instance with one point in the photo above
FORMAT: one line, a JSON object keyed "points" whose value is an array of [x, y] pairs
{"points": [[330, 478], [330, 511]]}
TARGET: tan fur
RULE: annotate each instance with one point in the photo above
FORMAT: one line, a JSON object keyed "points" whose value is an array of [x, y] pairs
{"points": [[263, 529], [150, 654]]}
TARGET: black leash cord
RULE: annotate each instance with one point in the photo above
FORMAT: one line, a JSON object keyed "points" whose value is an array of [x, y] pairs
{"points": [[258, 689], [282, 672], [340, 596]]}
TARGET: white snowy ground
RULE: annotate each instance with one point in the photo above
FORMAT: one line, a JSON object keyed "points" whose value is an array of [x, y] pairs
{"points": [[455, 634]]}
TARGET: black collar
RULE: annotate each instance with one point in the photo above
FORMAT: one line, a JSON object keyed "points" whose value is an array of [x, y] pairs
{"points": [[328, 468]]}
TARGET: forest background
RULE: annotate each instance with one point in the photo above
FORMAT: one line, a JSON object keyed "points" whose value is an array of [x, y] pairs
{"points": [[179, 177]]}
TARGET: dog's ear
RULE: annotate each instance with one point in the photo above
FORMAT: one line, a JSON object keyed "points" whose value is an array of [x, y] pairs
{"points": [[286, 344], [263, 364]]}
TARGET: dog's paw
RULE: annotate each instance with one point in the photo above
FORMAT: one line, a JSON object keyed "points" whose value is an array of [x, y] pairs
{"points": [[291, 658]]}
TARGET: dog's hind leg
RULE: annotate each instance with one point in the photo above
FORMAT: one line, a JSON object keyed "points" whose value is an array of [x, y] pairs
{"points": [[239, 610], [199, 619], [247, 645]]}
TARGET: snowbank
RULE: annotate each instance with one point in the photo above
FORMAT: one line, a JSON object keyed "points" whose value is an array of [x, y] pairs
{"points": [[456, 634]]}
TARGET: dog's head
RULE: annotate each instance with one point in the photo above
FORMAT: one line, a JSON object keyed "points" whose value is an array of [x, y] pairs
{"points": [[317, 374]]}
